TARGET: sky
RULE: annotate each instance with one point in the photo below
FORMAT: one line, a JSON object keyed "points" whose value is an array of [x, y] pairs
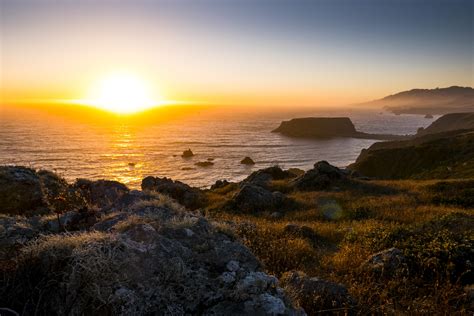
{"points": [[248, 52]]}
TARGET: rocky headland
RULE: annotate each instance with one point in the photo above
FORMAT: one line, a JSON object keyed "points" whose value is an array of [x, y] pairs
{"points": [[443, 150]]}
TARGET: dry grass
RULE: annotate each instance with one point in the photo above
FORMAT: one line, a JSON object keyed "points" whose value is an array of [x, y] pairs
{"points": [[353, 223]]}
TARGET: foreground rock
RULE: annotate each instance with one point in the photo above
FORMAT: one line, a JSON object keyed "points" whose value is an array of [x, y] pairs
{"points": [[191, 198], [314, 294], [325, 127], [24, 190], [152, 259], [101, 193], [322, 177], [263, 177], [252, 198]]}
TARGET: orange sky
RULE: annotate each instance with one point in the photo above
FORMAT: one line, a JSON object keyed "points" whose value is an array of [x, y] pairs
{"points": [[236, 53]]}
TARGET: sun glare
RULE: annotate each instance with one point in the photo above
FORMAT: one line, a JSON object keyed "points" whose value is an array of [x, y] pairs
{"points": [[122, 93]]}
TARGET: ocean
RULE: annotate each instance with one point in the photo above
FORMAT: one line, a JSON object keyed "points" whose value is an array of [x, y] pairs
{"points": [[129, 152]]}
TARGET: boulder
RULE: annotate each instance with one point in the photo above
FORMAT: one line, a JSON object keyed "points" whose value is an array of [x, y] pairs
{"points": [[158, 260], [322, 177], [187, 154], [252, 198], [101, 193], [385, 263], [247, 161], [263, 177], [24, 191], [315, 294], [20, 190], [191, 198]]}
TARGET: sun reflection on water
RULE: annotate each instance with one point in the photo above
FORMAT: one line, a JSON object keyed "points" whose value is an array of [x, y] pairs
{"points": [[126, 161]]}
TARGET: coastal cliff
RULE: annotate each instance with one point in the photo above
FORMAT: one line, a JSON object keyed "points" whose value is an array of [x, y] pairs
{"points": [[326, 127], [449, 122]]}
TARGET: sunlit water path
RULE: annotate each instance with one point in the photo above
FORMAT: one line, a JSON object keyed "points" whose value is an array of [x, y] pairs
{"points": [[128, 153]]}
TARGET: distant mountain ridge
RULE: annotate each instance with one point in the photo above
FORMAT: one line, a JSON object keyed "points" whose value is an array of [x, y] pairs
{"points": [[429, 101]]}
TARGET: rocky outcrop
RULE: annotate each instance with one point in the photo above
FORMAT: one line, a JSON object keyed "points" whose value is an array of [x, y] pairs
{"points": [[252, 198], [263, 177], [316, 294], [322, 177], [20, 190], [101, 193], [151, 259], [324, 127], [191, 198], [24, 190]]}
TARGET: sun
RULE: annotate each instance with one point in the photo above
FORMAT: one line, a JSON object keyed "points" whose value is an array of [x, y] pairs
{"points": [[121, 93]]}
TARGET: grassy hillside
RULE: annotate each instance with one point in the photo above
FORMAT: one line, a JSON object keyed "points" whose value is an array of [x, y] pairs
{"points": [[340, 228], [435, 156]]}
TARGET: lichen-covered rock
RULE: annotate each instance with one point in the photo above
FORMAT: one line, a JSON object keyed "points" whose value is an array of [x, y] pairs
{"points": [[386, 262], [315, 294], [191, 198], [252, 198], [155, 260]]}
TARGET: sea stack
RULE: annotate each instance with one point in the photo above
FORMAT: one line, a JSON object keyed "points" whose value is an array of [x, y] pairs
{"points": [[187, 153], [247, 161], [317, 127], [326, 127]]}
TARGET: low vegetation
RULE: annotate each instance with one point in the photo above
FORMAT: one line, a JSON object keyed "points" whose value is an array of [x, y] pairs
{"points": [[429, 221], [338, 242]]}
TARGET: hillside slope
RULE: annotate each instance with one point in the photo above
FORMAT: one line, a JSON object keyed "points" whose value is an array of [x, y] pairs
{"points": [[450, 122], [434, 156]]}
